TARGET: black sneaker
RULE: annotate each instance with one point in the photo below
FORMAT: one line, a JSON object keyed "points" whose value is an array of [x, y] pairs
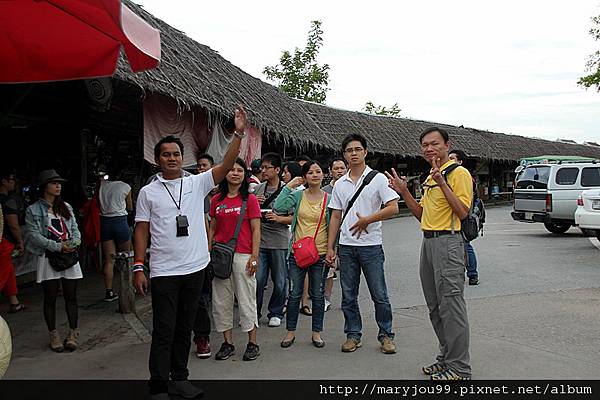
{"points": [[226, 351], [252, 352], [110, 296], [473, 281]]}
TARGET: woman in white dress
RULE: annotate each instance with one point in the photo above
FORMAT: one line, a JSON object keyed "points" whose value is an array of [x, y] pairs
{"points": [[52, 229]]}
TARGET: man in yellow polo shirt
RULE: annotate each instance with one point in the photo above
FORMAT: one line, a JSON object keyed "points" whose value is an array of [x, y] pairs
{"points": [[446, 200]]}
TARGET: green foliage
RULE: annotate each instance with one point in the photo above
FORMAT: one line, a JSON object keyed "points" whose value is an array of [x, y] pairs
{"points": [[299, 74], [371, 108], [593, 64]]}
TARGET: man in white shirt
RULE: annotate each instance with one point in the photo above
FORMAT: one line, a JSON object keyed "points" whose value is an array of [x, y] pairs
{"points": [[115, 201], [361, 242], [171, 211]]}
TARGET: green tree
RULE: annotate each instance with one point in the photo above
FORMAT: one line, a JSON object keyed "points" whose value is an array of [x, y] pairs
{"points": [[593, 64], [371, 108], [299, 74]]}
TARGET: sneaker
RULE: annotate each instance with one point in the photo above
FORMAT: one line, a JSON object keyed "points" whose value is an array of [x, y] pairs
{"points": [[203, 347], [449, 375], [351, 345], [433, 368], [226, 351], [252, 352], [55, 343], [274, 322], [327, 305], [473, 281], [110, 296], [388, 346]]}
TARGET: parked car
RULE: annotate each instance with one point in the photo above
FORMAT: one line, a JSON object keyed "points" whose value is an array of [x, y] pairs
{"points": [[548, 193], [587, 215]]}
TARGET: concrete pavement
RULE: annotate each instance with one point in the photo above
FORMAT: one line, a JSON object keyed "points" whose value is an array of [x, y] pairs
{"points": [[541, 323]]}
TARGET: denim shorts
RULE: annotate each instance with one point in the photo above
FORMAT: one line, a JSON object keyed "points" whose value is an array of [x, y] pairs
{"points": [[114, 228]]}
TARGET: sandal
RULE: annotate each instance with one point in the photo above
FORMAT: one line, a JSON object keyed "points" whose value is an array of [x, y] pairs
{"points": [[15, 308], [306, 310]]}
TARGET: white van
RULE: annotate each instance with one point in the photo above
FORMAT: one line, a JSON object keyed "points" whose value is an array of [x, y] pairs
{"points": [[548, 193]]}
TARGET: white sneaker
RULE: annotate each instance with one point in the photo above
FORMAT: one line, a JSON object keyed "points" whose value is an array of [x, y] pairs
{"points": [[327, 305], [274, 322]]}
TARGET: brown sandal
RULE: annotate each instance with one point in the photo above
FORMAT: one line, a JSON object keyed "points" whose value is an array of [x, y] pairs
{"points": [[306, 310]]}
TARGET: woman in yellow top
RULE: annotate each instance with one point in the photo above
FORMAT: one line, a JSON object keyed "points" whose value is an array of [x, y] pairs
{"points": [[308, 205]]}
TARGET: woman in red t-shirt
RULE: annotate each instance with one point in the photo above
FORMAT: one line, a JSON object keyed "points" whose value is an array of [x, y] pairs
{"points": [[225, 210]]}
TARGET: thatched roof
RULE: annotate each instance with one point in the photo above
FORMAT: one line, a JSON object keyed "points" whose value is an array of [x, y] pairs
{"points": [[196, 75], [391, 135]]}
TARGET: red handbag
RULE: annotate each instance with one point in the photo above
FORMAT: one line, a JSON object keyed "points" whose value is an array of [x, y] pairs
{"points": [[305, 249]]}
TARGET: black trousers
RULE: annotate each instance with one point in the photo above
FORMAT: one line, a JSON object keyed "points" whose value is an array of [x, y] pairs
{"points": [[174, 304], [202, 326]]}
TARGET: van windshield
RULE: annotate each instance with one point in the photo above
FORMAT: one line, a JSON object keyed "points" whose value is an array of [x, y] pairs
{"points": [[535, 177]]}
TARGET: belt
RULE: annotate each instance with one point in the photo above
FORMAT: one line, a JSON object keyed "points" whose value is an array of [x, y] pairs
{"points": [[434, 234]]}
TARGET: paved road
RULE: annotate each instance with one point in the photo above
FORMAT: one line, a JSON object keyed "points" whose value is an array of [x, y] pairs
{"points": [[535, 315]]}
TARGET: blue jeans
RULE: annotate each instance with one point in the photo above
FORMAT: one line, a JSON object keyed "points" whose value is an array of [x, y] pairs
{"points": [[273, 260], [370, 260], [472, 261], [317, 274]]}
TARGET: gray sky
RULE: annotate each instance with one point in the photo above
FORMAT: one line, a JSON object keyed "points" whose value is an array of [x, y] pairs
{"points": [[509, 66]]}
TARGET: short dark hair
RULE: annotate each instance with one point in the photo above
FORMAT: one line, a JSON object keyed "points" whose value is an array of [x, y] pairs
{"points": [[461, 155], [294, 168], [338, 158], [352, 137], [441, 131], [307, 166], [167, 139], [206, 156], [6, 173], [273, 158], [303, 157]]}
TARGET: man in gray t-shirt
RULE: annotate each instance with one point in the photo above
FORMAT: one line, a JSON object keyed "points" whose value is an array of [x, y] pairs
{"points": [[275, 236]]}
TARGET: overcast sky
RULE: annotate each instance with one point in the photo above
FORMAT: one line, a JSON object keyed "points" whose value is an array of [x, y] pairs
{"points": [[509, 66]]}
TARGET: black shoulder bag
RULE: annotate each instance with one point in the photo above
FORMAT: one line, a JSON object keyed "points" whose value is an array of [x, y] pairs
{"points": [[60, 261], [221, 255], [469, 226]]}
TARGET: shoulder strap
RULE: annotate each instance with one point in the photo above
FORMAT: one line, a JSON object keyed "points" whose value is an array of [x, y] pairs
{"points": [[272, 197], [365, 182], [449, 169], [233, 240], [321, 217]]}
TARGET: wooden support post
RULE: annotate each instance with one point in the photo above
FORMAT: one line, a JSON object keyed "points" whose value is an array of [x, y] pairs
{"points": [[126, 291]]}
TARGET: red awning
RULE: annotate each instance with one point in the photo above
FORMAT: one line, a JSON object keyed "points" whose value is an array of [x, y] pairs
{"points": [[54, 40]]}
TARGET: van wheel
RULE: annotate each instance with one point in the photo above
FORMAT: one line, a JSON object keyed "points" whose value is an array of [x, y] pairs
{"points": [[556, 227]]}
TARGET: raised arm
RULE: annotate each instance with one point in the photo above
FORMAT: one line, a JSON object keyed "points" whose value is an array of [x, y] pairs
{"points": [[219, 171], [399, 184]]}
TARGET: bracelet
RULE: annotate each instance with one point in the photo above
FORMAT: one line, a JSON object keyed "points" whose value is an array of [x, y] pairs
{"points": [[137, 267]]}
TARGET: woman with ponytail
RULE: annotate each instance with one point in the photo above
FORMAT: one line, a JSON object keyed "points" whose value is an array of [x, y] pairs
{"points": [[51, 233]]}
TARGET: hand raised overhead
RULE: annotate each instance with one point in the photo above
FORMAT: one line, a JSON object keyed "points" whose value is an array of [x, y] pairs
{"points": [[240, 119]]}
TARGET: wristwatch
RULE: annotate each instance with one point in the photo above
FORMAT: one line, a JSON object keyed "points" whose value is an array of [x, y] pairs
{"points": [[240, 135]]}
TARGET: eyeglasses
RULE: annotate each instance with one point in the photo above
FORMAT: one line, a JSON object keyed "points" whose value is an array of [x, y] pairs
{"points": [[266, 167], [353, 150]]}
